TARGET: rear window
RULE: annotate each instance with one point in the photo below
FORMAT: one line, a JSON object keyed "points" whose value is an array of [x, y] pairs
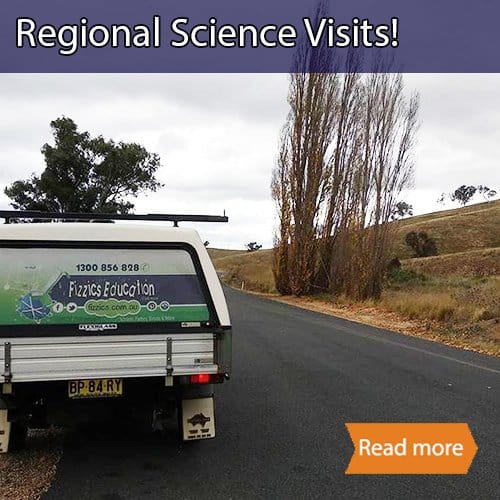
{"points": [[58, 286]]}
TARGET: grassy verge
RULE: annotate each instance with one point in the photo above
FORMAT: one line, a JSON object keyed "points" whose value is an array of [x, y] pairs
{"points": [[462, 311]]}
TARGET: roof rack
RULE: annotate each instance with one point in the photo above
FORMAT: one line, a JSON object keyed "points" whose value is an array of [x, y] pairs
{"points": [[8, 215]]}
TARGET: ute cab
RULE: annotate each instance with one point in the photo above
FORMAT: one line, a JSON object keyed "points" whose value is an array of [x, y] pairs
{"points": [[97, 318]]}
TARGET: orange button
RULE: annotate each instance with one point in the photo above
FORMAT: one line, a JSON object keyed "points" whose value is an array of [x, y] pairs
{"points": [[422, 448]]}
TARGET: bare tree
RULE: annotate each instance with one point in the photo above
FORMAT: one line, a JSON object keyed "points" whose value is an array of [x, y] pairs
{"points": [[345, 156], [300, 179], [390, 120]]}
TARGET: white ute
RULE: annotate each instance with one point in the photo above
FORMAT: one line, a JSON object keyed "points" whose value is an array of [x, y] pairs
{"points": [[97, 318]]}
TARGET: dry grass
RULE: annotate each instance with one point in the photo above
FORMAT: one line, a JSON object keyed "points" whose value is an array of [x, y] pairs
{"points": [[217, 253], [461, 299], [471, 234], [464, 311], [438, 306], [484, 262], [444, 304]]}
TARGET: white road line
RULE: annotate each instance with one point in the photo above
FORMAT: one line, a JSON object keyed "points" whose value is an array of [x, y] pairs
{"points": [[430, 353]]}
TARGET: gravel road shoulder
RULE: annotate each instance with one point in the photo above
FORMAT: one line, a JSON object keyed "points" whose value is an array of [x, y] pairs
{"points": [[27, 474]]}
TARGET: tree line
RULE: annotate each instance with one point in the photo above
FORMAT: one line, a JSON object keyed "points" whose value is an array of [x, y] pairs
{"points": [[463, 194]]}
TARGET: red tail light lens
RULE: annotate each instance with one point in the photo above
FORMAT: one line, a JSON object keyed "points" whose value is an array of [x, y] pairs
{"points": [[200, 378]]}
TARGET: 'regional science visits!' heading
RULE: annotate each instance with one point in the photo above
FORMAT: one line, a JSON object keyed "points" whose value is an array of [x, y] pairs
{"points": [[180, 32], [262, 36]]}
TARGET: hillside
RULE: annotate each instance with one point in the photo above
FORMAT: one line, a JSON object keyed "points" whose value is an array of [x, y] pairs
{"points": [[471, 234], [252, 270], [218, 253], [458, 230], [479, 263]]}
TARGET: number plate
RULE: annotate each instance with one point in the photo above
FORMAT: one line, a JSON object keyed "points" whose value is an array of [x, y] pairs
{"points": [[95, 388]]}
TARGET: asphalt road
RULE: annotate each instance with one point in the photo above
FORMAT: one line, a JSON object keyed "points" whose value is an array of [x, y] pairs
{"points": [[298, 377]]}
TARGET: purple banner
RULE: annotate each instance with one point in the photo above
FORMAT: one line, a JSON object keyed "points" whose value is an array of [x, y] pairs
{"points": [[211, 36], [177, 289]]}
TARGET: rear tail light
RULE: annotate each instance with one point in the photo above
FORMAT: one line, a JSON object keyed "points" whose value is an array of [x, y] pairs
{"points": [[200, 378]]}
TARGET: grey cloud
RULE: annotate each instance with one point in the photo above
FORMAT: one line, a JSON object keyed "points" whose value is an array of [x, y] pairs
{"points": [[17, 164], [252, 97]]}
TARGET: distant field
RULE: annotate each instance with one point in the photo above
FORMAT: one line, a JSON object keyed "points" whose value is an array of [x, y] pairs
{"points": [[255, 269]]}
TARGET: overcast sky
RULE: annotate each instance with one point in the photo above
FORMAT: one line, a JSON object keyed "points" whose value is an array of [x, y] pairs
{"points": [[217, 136]]}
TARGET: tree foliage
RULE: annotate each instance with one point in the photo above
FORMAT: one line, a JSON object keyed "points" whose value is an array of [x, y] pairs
{"points": [[86, 174], [486, 192], [253, 246], [401, 209], [463, 194]]}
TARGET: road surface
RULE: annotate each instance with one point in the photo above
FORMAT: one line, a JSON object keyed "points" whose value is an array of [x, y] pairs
{"points": [[298, 377]]}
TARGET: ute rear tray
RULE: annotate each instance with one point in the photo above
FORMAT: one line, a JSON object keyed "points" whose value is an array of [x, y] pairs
{"points": [[91, 357]]}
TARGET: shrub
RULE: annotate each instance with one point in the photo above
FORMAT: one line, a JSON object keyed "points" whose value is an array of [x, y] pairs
{"points": [[399, 275], [421, 244], [393, 264]]}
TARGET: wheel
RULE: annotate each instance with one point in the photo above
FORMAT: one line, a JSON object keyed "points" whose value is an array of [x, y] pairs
{"points": [[18, 435]]}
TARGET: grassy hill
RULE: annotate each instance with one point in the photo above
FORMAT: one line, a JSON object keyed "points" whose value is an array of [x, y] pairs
{"points": [[458, 230]]}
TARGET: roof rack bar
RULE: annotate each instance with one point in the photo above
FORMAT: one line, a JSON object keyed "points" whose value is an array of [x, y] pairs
{"points": [[75, 216]]}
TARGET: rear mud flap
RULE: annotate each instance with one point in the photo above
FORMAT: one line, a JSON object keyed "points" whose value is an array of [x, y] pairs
{"points": [[198, 419], [4, 431]]}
